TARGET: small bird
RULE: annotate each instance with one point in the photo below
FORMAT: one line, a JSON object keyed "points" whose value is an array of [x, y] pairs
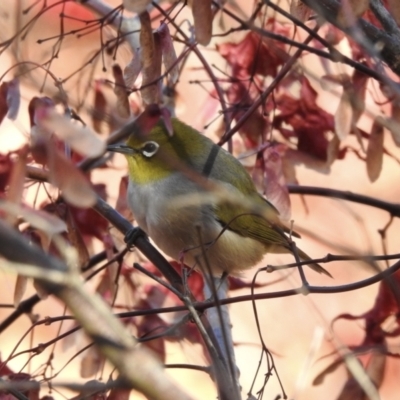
{"points": [[198, 203]]}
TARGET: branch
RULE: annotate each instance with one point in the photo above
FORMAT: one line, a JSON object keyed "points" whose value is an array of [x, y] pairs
{"points": [[392, 208], [390, 39], [136, 364]]}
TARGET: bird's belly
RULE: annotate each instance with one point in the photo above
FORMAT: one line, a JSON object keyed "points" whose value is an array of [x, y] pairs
{"points": [[191, 234]]}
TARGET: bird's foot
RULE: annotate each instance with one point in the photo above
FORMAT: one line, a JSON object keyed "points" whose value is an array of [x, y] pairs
{"points": [[132, 235]]}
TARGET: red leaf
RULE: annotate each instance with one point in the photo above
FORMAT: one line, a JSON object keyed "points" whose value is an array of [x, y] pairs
{"points": [[236, 283], [119, 394], [6, 166], [310, 123], [254, 55], [3, 101], [89, 222]]}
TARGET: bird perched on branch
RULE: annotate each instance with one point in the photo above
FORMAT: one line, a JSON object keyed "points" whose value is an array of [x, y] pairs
{"points": [[199, 204]]}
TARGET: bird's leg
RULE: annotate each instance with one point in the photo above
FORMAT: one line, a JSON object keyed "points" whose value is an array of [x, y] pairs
{"points": [[219, 288], [132, 235], [216, 288]]}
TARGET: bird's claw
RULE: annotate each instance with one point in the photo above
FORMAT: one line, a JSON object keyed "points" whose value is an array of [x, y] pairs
{"points": [[132, 235]]}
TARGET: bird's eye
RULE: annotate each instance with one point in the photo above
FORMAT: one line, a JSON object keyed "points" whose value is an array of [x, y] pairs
{"points": [[149, 149]]}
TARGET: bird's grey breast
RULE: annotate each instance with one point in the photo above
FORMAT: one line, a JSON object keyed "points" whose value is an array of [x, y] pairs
{"points": [[150, 202]]}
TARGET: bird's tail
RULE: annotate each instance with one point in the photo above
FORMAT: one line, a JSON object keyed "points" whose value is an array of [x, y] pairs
{"points": [[314, 266]]}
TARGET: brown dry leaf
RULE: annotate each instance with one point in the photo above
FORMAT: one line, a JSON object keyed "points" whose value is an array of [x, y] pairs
{"points": [[351, 391], [333, 35], [16, 182], [109, 283], [13, 210], [375, 150], [362, 384], [19, 289], [151, 82], [76, 240], [137, 6], [13, 98], [146, 40], [300, 11], [352, 102], [168, 53], [99, 108], [343, 116], [39, 135], [81, 138], [73, 184], [203, 18], [91, 362], [123, 108], [275, 185], [393, 123], [332, 367], [10, 99], [376, 367], [359, 82], [122, 200], [296, 157], [350, 11], [132, 70], [41, 220], [289, 171], [394, 8], [333, 150]]}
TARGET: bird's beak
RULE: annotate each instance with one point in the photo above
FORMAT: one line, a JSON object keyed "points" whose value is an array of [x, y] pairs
{"points": [[121, 148]]}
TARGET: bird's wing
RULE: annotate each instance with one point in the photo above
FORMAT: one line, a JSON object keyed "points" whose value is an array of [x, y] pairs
{"points": [[248, 223]]}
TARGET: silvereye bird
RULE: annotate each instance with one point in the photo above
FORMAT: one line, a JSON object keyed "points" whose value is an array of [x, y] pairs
{"points": [[229, 232]]}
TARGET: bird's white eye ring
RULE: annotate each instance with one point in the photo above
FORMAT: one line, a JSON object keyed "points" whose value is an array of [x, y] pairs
{"points": [[149, 149]]}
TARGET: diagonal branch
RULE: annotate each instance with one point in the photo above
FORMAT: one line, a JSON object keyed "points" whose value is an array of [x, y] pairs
{"points": [[388, 38], [137, 365]]}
